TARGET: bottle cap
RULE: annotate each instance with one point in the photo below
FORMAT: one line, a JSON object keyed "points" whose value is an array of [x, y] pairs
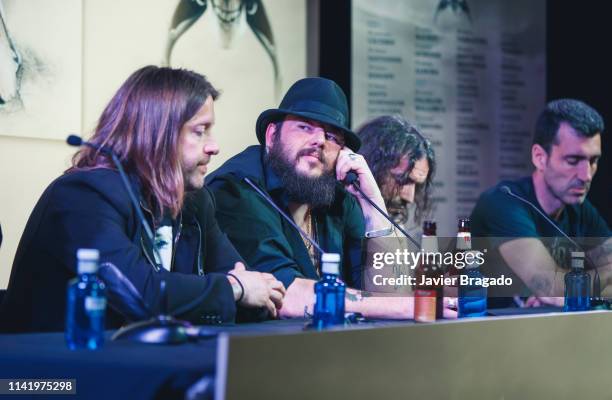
{"points": [[87, 261], [330, 263], [578, 259], [472, 263], [429, 228], [463, 224], [330, 257], [88, 254]]}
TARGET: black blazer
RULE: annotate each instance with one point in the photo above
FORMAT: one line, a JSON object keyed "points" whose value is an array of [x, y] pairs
{"points": [[91, 209]]}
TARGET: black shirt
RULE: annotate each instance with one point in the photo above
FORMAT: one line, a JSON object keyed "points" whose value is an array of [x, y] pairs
{"points": [[498, 217]]}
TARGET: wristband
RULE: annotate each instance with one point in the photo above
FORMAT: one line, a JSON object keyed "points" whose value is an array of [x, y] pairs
{"points": [[239, 284], [379, 232]]}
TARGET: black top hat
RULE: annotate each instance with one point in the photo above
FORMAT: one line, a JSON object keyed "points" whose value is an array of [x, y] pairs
{"points": [[316, 99]]}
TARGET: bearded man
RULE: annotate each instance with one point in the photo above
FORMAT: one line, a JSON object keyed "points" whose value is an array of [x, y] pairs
{"points": [[306, 151]]}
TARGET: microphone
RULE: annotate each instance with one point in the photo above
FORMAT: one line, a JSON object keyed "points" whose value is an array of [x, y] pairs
{"points": [[351, 178], [596, 280], [122, 295], [77, 141], [285, 216], [74, 140], [505, 189], [126, 299]]}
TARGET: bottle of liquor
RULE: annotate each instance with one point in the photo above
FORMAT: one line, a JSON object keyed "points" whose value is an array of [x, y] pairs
{"points": [[429, 290], [329, 291], [86, 304], [577, 285], [472, 294]]}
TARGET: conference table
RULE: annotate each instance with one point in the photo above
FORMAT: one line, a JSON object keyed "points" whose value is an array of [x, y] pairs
{"points": [[536, 354]]}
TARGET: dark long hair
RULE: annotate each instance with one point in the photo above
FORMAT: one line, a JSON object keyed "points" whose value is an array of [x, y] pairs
{"points": [[141, 124], [384, 141]]}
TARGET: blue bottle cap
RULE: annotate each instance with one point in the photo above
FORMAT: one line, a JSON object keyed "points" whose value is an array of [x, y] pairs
{"points": [[473, 259]]}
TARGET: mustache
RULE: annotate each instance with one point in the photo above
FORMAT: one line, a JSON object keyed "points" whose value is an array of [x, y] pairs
{"points": [[579, 185], [313, 151]]}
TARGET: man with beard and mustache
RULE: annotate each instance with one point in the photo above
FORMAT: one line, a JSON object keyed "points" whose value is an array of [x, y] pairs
{"points": [[159, 124], [306, 149], [403, 163], [565, 152]]}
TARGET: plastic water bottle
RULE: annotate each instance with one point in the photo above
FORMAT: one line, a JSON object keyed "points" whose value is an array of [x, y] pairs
{"points": [[86, 304], [329, 291], [472, 294], [577, 285]]}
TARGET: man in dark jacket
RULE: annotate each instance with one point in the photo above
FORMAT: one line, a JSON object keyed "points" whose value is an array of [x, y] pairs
{"points": [[159, 126], [306, 148]]}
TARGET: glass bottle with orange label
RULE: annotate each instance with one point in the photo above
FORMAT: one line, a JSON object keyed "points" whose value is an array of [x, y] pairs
{"points": [[464, 244], [428, 294]]}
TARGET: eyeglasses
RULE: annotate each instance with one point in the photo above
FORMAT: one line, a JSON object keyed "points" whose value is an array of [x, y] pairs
{"points": [[329, 133], [337, 138]]}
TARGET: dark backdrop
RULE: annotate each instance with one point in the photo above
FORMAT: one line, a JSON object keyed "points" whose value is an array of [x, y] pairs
{"points": [[578, 66]]}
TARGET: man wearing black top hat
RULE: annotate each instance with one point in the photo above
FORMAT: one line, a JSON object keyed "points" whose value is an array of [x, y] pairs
{"points": [[306, 151]]}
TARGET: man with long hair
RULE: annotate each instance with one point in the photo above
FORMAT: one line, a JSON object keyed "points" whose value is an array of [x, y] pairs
{"points": [[403, 164], [159, 125]]}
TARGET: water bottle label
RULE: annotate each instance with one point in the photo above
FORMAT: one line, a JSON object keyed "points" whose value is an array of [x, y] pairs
{"points": [[95, 304], [577, 263]]}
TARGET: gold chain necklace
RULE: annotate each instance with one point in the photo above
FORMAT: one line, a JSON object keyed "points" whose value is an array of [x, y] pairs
{"points": [[306, 226]]}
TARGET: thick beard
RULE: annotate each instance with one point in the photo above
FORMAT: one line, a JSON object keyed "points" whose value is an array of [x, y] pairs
{"points": [[316, 191]]}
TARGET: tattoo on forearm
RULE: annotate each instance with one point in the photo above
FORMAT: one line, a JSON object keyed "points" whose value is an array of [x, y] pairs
{"points": [[357, 295], [351, 296]]}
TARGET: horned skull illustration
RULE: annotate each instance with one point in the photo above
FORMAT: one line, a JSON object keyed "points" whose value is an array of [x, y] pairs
{"points": [[228, 15]]}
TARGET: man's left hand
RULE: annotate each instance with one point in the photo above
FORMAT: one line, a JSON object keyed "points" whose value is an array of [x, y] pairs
{"points": [[350, 161]]}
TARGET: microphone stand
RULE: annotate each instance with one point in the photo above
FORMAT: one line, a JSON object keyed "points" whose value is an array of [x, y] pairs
{"points": [[351, 179], [74, 140], [162, 328], [285, 216], [271, 202], [596, 279], [141, 217]]}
